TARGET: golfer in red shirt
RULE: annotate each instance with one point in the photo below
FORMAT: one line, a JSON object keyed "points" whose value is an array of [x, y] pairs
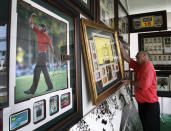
{"points": [[42, 40], [145, 89]]}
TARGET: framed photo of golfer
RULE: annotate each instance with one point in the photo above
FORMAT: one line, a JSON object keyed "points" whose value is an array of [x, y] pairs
{"points": [[105, 70], [42, 41]]}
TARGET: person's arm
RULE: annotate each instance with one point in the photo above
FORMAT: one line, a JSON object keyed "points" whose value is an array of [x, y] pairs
{"points": [[31, 23], [124, 53], [135, 83], [53, 53]]}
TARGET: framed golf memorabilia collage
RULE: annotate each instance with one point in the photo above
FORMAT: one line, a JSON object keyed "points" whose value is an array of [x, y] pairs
{"points": [[103, 59], [158, 45]]}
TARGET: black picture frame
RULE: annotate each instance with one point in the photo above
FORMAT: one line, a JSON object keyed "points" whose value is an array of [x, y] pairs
{"points": [[86, 9], [145, 22], [123, 25], [4, 62], [72, 116], [164, 74], [151, 42], [104, 13]]}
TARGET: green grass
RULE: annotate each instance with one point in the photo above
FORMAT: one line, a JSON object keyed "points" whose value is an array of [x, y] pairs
{"points": [[166, 126], [24, 83]]}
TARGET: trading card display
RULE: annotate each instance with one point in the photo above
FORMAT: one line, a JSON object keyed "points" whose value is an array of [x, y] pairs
{"points": [[65, 100], [53, 105], [158, 45], [19, 119], [39, 111]]}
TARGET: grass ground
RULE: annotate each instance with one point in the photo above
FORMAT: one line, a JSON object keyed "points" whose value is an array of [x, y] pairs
{"points": [[166, 125], [23, 83]]}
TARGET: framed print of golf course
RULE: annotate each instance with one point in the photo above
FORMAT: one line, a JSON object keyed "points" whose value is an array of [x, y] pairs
{"points": [[45, 73], [103, 59]]}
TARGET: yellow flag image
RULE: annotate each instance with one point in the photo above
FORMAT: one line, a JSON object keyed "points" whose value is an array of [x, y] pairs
{"points": [[103, 49]]}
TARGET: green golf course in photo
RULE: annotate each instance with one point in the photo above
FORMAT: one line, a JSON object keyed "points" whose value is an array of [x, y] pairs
{"points": [[23, 83]]}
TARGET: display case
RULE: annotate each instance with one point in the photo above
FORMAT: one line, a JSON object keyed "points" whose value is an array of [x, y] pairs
{"points": [[152, 21], [158, 45], [103, 59], [45, 75]]}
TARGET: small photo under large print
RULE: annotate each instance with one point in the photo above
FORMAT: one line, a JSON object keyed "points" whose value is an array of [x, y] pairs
{"points": [[41, 41], [19, 119], [39, 111], [65, 100], [162, 84], [53, 105]]}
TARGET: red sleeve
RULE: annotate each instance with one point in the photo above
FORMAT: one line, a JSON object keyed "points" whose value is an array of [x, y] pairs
{"points": [[133, 64], [35, 28], [145, 81], [48, 40]]}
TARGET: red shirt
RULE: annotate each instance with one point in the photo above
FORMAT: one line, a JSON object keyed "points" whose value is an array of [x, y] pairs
{"points": [[42, 39], [145, 75]]}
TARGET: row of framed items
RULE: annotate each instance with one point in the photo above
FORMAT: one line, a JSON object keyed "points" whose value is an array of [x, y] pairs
{"points": [[158, 45], [23, 118], [163, 79], [51, 99]]}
